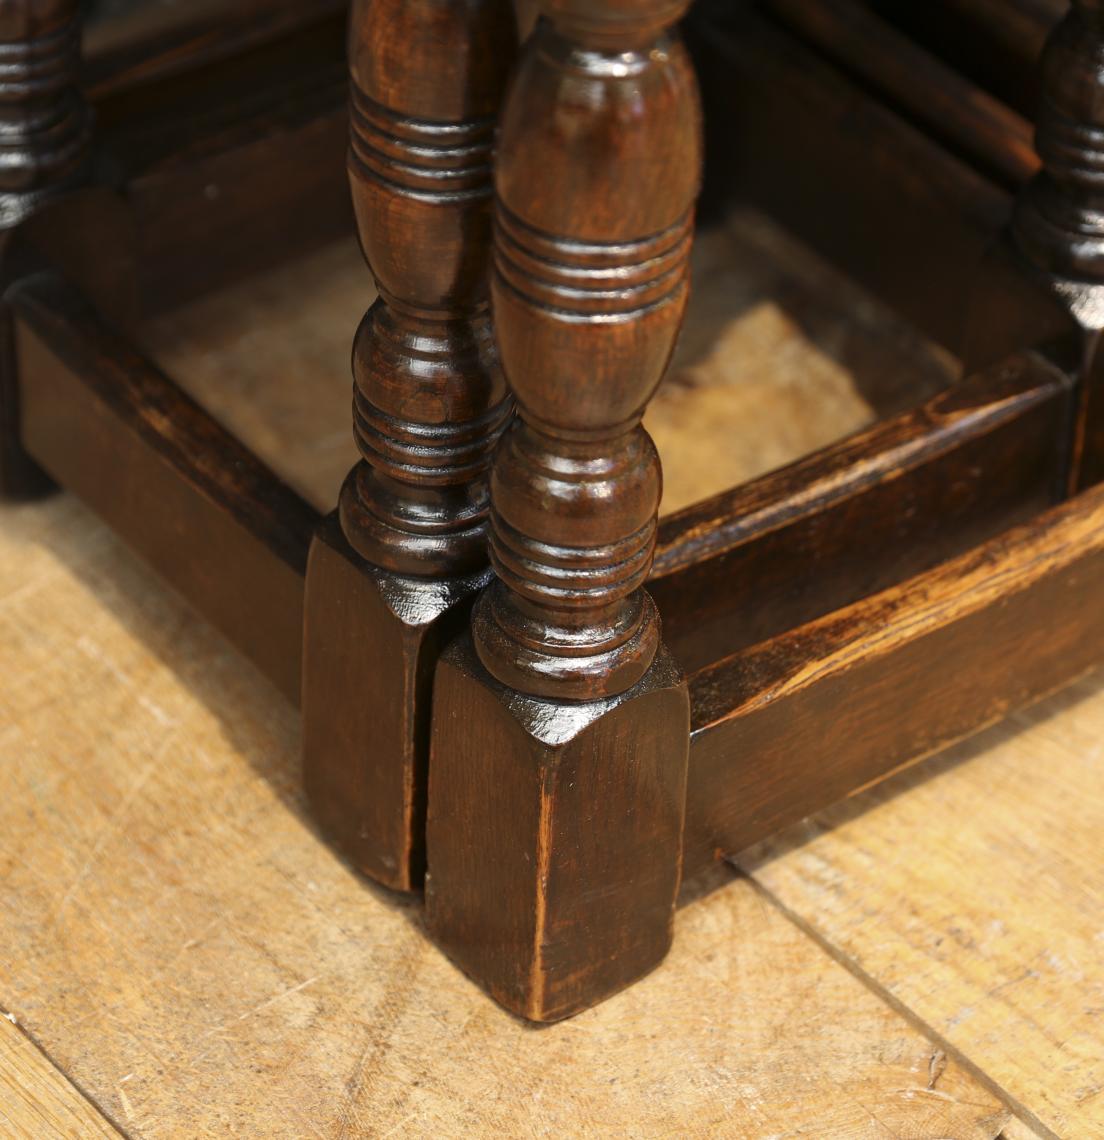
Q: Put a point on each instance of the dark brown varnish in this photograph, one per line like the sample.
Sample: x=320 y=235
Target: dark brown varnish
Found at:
x=809 y=717
x=863 y=514
x=202 y=510
x=45 y=135
x=558 y=763
x=1059 y=220
x=388 y=585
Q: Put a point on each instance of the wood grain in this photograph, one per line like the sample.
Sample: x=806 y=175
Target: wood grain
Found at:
x=37 y=1102
x=970 y=890
x=105 y=423
x=206 y=946
x=771 y=330
x=844 y=700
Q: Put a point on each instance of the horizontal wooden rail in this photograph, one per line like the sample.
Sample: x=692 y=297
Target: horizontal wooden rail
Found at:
x=206 y=514
x=855 y=518
x=872 y=510
x=995 y=42
x=155 y=41
x=790 y=726
x=234 y=167
x=922 y=88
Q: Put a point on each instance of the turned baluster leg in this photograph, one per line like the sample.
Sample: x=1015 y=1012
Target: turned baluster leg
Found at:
x=392 y=576
x=560 y=734
x=1057 y=236
x=45 y=135
x=1059 y=221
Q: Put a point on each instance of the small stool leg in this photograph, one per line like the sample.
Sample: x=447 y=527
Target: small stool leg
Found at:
x=1059 y=220
x=393 y=574
x=561 y=724
x=45 y=137
x=1044 y=282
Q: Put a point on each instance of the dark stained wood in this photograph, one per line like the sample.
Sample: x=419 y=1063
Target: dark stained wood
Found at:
x=592 y=244
x=371 y=643
x=554 y=831
x=45 y=127
x=154 y=41
x=430 y=399
x=557 y=765
x=199 y=507
x=234 y=167
x=863 y=514
x=994 y=42
x=888 y=204
x=388 y=586
x=967 y=120
x=789 y=726
x=45 y=135
x=1059 y=223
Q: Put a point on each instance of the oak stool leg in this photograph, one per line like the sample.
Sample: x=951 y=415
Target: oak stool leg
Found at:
x=561 y=724
x=45 y=141
x=391 y=576
x=1057 y=233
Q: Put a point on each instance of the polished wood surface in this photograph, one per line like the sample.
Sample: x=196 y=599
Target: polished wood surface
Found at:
x=45 y=135
x=389 y=586
x=840 y=702
x=431 y=401
x=1058 y=224
x=592 y=247
x=554 y=816
x=554 y=832
x=103 y=421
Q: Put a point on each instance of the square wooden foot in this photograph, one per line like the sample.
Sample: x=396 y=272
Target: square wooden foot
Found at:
x=371 y=644
x=555 y=834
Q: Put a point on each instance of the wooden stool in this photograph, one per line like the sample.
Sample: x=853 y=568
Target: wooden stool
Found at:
x=522 y=690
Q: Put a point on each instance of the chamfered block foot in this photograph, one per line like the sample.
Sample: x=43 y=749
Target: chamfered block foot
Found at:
x=555 y=834
x=370 y=648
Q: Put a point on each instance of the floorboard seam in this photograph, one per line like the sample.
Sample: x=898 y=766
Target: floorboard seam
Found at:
x=1025 y=1115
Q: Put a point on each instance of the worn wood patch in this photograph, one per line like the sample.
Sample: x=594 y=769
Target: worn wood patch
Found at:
x=780 y=355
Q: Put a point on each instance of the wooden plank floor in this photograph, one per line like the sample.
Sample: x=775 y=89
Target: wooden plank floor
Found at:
x=990 y=929
x=925 y=962
x=193 y=957
x=36 y=1099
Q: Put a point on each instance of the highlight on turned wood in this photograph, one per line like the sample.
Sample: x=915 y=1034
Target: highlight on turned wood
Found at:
x=391 y=582
x=45 y=126
x=45 y=137
x=1059 y=220
x=592 y=246
x=559 y=756
x=431 y=402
